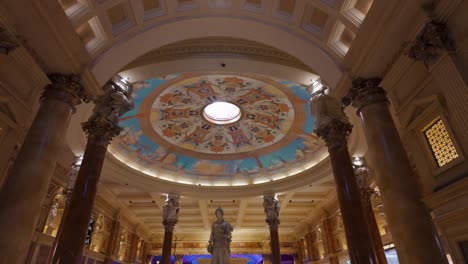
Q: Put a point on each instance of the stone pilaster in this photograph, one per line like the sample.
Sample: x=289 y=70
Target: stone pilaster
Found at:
x=25 y=188
x=101 y=127
x=435 y=48
x=431 y=43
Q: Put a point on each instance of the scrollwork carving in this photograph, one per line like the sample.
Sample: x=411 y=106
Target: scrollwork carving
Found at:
x=364 y=92
x=431 y=43
x=335 y=133
x=66 y=88
x=362 y=178
x=102 y=126
x=171 y=211
x=271 y=207
x=331 y=122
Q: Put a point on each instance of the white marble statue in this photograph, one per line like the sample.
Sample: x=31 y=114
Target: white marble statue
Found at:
x=220 y=238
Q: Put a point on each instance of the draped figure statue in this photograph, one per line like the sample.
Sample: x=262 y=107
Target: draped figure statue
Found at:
x=220 y=238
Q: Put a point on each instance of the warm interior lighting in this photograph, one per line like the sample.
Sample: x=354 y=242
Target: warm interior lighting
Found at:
x=441 y=144
x=222 y=113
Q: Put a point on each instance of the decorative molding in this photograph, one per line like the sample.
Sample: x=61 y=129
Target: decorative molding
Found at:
x=271 y=207
x=65 y=88
x=431 y=43
x=364 y=92
x=335 y=133
x=102 y=126
x=217 y=47
x=331 y=122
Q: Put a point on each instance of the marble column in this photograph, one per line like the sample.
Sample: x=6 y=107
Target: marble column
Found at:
x=271 y=207
x=112 y=246
x=134 y=248
x=333 y=127
x=327 y=236
x=101 y=127
x=409 y=220
x=362 y=175
x=25 y=188
x=170 y=218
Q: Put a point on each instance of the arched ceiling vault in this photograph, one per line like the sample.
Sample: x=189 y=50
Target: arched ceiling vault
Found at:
x=220 y=48
x=303 y=39
x=318 y=32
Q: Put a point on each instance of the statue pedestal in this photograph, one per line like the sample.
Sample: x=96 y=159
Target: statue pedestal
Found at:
x=233 y=260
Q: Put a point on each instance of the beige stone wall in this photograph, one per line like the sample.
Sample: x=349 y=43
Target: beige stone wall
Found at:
x=419 y=95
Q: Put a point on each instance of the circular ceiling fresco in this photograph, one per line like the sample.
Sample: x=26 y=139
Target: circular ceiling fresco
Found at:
x=218 y=128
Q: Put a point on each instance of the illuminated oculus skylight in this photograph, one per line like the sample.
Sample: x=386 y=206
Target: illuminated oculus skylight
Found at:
x=222 y=113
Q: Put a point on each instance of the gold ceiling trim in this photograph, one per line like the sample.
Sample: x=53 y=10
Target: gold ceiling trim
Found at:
x=219 y=47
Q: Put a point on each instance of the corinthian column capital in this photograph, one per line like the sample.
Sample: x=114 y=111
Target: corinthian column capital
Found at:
x=271 y=207
x=365 y=92
x=65 y=88
x=431 y=43
x=102 y=126
x=171 y=211
x=331 y=122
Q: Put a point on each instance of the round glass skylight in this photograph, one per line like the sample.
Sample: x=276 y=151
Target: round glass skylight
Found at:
x=222 y=113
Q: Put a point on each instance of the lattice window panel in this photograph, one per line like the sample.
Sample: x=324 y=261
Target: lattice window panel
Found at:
x=441 y=144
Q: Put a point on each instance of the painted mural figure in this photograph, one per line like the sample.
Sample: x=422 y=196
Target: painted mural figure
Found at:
x=220 y=239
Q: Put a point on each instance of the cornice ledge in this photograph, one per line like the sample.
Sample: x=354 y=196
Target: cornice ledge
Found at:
x=447 y=194
x=122 y=172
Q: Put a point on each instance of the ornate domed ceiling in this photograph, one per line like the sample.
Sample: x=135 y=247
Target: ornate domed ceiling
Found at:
x=167 y=135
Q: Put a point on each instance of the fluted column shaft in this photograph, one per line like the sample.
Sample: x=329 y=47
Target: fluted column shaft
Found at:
x=333 y=127
x=409 y=221
x=25 y=188
x=101 y=128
